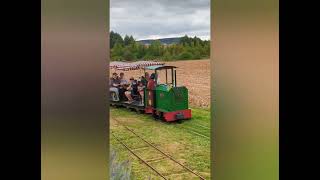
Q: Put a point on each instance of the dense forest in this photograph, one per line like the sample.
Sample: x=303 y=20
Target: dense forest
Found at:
x=128 y=49
x=174 y=40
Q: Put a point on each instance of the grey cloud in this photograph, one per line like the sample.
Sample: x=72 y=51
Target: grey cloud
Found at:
x=167 y=3
x=162 y=18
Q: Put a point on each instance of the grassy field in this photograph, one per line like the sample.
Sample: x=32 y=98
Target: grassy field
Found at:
x=188 y=142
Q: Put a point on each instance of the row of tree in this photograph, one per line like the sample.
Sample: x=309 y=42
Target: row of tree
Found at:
x=129 y=49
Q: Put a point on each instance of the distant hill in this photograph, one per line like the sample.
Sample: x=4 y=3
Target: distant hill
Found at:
x=174 y=40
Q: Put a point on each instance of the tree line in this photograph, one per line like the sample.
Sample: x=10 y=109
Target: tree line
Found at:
x=129 y=49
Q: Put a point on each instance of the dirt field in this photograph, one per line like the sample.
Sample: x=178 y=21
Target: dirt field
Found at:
x=194 y=74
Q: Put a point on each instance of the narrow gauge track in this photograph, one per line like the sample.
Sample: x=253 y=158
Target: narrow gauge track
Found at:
x=165 y=154
x=131 y=151
x=202 y=126
x=190 y=130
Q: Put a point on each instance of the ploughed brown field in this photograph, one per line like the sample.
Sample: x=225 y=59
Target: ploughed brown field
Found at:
x=194 y=74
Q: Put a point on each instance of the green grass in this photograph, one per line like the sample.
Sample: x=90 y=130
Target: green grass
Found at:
x=186 y=142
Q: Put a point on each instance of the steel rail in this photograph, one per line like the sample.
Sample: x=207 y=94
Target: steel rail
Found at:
x=138 y=156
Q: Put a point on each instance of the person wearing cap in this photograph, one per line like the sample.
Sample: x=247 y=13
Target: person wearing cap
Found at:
x=115 y=83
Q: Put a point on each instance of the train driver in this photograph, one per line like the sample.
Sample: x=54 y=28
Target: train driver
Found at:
x=151 y=82
x=150 y=87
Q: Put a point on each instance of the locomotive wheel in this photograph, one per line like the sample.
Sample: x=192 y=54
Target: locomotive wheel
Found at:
x=133 y=109
x=155 y=116
x=138 y=111
x=161 y=116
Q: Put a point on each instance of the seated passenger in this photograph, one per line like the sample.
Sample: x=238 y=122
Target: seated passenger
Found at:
x=145 y=79
x=122 y=79
x=122 y=87
x=130 y=90
x=114 y=85
x=147 y=76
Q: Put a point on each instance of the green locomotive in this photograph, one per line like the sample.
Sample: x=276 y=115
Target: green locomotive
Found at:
x=170 y=101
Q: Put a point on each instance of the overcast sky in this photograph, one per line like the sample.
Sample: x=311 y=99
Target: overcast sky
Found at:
x=152 y=19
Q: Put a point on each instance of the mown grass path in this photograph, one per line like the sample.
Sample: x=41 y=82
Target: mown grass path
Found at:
x=187 y=142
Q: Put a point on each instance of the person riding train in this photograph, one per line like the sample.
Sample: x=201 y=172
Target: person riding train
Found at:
x=114 y=86
x=141 y=88
x=122 y=79
x=131 y=89
x=150 y=95
x=145 y=79
x=151 y=82
x=123 y=86
x=150 y=87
